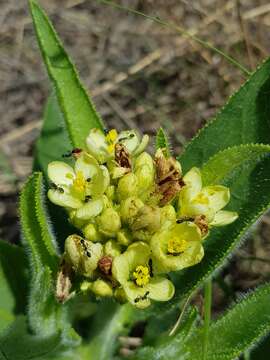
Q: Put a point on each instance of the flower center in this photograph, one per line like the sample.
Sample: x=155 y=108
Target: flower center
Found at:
x=110 y=138
x=141 y=275
x=177 y=246
x=202 y=199
x=79 y=183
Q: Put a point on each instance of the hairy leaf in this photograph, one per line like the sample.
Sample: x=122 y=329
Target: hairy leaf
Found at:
x=237 y=330
x=78 y=110
x=53 y=141
x=45 y=315
x=162 y=142
x=244 y=119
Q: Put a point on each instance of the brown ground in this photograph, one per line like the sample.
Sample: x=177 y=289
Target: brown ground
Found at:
x=141 y=75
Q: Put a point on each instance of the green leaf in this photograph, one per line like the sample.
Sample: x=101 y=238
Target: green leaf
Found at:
x=46 y=316
x=53 y=141
x=13 y=284
x=246 y=171
x=110 y=320
x=17 y=343
x=232 y=334
x=244 y=119
x=78 y=110
x=162 y=142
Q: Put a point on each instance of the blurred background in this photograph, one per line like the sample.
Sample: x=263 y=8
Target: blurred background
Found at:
x=141 y=75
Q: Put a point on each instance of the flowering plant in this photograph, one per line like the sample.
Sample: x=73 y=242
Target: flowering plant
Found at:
x=129 y=236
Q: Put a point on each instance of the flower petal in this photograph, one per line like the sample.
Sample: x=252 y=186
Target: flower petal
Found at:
x=137 y=296
x=90 y=209
x=87 y=165
x=218 y=196
x=60 y=173
x=129 y=139
x=64 y=199
x=160 y=288
x=97 y=145
x=100 y=182
x=193 y=181
x=137 y=254
x=224 y=217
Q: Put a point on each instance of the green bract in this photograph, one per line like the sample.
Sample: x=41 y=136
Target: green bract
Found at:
x=124 y=201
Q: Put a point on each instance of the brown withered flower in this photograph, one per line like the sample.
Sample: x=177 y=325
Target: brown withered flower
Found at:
x=122 y=157
x=63 y=282
x=169 y=179
x=200 y=221
x=105 y=265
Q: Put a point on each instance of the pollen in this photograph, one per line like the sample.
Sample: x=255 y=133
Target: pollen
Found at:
x=79 y=182
x=111 y=138
x=177 y=246
x=141 y=275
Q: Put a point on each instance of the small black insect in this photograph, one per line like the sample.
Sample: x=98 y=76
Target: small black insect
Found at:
x=88 y=254
x=72 y=152
x=126 y=138
x=88 y=179
x=106 y=131
x=150 y=264
x=58 y=188
x=179 y=221
x=140 y=298
x=87 y=198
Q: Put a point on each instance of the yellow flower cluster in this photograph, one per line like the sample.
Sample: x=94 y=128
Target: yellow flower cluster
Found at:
x=138 y=218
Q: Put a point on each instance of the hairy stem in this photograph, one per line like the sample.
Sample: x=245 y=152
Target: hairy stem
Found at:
x=207 y=315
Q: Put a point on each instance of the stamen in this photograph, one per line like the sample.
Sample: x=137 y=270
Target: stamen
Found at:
x=177 y=246
x=141 y=275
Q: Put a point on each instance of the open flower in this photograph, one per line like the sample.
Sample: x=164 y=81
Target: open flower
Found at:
x=177 y=248
x=102 y=146
x=195 y=200
x=79 y=189
x=133 y=270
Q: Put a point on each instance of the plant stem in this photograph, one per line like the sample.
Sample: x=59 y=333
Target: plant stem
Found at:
x=181 y=31
x=247 y=355
x=207 y=315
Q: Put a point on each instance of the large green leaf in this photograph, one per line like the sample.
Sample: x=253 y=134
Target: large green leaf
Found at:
x=13 y=284
x=78 y=110
x=236 y=331
x=53 y=141
x=46 y=316
x=16 y=343
x=246 y=170
x=244 y=119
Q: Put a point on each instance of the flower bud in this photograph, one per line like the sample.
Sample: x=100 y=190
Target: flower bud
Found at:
x=124 y=237
x=168 y=216
x=102 y=288
x=105 y=264
x=120 y=295
x=90 y=232
x=148 y=218
x=129 y=209
x=144 y=170
x=112 y=249
x=127 y=186
x=78 y=223
x=109 y=222
x=83 y=255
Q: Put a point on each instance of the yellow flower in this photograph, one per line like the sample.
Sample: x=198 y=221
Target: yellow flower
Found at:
x=133 y=270
x=79 y=190
x=102 y=146
x=177 y=247
x=196 y=200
